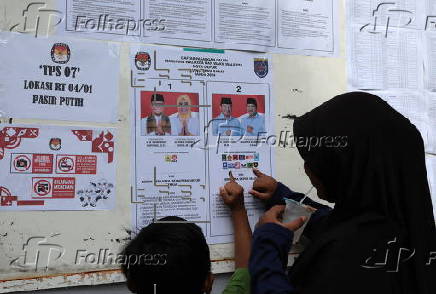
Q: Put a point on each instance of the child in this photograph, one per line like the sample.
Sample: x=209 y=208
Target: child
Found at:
x=168 y=258
x=171 y=256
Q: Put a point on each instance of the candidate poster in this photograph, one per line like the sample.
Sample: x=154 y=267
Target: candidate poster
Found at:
x=58 y=79
x=56 y=168
x=198 y=114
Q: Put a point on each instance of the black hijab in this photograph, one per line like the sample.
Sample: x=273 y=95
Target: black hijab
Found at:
x=371 y=160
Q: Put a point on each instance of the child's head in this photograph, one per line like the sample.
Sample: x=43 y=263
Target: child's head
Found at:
x=172 y=256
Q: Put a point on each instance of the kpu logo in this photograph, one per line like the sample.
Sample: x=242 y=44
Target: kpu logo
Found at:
x=60 y=53
x=142 y=61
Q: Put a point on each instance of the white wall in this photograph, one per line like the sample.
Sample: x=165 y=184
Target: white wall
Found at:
x=318 y=79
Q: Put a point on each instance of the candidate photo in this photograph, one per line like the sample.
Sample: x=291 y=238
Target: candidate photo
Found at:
x=238 y=115
x=169 y=114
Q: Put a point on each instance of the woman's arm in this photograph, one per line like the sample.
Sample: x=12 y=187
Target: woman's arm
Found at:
x=282 y=192
x=268 y=260
x=273 y=193
x=271 y=244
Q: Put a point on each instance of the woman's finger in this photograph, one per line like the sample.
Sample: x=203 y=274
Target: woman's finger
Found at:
x=277 y=210
x=232 y=178
x=257 y=172
x=223 y=192
x=258 y=194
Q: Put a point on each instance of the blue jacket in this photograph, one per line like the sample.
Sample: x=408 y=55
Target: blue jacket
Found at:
x=271 y=245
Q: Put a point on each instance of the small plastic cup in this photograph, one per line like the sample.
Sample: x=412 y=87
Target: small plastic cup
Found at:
x=293 y=211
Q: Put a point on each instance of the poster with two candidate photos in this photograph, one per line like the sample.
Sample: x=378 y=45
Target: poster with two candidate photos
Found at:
x=198 y=115
x=239 y=124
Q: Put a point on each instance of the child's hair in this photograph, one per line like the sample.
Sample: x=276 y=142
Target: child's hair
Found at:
x=173 y=257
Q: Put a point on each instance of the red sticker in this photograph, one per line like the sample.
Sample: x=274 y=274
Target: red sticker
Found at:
x=64 y=187
x=76 y=164
x=21 y=163
x=44 y=188
x=83 y=135
x=42 y=164
x=6 y=199
x=30 y=202
x=26 y=163
x=102 y=144
x=10 y=137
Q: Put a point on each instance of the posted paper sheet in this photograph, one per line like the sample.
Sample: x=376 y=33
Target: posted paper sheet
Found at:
x=431 y=115
x=56 y=168
x=198 y=114
x=414 y=106
x=391 y=53
x=431 y=175
x=280 y=26
x=58 y=78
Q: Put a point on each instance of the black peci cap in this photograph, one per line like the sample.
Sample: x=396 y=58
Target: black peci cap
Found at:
x=157 y=97
x=251 y=101
x=226 y=100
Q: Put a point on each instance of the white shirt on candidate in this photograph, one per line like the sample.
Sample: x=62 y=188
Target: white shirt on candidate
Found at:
x=176 y=125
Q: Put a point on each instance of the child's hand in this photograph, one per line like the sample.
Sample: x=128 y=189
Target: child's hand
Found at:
x=274 y=215
x=233 y=194
x=264 y=186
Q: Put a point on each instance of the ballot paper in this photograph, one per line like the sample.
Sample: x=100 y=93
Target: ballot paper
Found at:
x=58 y=78
x=280 y=26
x=57 y=168
x=198 y=114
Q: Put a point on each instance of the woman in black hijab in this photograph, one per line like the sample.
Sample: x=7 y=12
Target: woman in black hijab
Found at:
x=380 y=237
